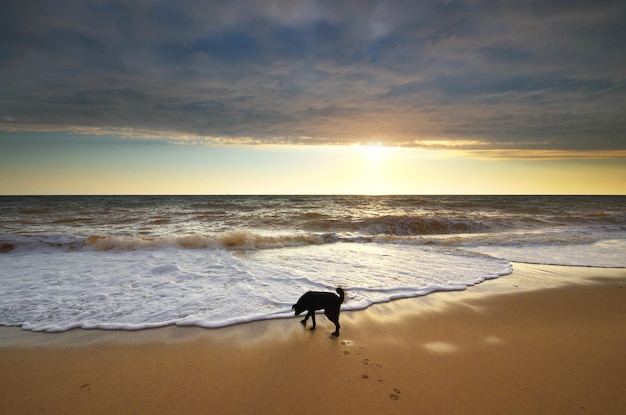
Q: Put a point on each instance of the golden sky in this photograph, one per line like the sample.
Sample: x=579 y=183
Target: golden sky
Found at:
x=41 y=164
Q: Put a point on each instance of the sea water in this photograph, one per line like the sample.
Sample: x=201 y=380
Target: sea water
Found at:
x=134 y=262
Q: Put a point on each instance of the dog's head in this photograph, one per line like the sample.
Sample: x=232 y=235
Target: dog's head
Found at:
x=298 y=308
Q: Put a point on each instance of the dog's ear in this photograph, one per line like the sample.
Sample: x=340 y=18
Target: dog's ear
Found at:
x=293 y=307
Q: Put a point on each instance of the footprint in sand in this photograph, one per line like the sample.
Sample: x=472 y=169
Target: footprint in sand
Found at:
x=365 y=361
x=346 y=343
x=395 y=395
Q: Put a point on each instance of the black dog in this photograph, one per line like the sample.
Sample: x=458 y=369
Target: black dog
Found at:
x=315 y=300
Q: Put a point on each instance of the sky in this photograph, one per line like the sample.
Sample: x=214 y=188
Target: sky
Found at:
x=312 y=97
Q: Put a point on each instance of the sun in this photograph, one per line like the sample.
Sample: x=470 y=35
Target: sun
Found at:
x=373 y=152
x=372 y=169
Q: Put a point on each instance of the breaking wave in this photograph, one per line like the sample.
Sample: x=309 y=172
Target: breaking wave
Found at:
x=233 y=240
x=395 y=225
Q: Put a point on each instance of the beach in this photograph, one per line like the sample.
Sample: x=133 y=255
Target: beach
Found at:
x=522 y=344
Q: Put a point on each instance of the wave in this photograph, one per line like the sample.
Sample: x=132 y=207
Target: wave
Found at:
x=407 y=225
x=246 y=240
x=490 y=239
x=9 y=243
x=238 y=239
x=399 y=230
x=397 y=225
x=235 y=240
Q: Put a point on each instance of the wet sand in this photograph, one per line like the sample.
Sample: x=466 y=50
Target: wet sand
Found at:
x=516 y=345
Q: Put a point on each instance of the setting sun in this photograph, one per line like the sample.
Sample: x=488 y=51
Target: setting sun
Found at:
x=373 y=152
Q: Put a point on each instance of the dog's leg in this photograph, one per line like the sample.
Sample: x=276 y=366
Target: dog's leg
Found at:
x=308 y=314
x=312 y=312
x=336 y=333
x=334 y=317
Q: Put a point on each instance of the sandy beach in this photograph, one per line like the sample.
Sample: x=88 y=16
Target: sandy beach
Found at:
x=515 y=345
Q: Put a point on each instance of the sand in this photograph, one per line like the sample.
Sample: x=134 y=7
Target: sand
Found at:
x=516 y=345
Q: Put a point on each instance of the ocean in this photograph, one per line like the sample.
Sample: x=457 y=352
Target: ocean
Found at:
x=136 y=262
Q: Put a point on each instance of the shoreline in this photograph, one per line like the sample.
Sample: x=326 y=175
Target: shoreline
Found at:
x=525 y=277
x=520 y=343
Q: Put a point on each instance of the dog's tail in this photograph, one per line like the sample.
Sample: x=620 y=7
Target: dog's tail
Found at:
x=341 y=294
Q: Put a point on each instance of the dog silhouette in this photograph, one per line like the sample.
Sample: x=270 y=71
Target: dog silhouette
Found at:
x=317 y=300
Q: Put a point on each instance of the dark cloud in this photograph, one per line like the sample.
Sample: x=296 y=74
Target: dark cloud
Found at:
x=504 y=74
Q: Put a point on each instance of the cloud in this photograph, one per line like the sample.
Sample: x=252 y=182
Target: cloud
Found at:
x=509 y=75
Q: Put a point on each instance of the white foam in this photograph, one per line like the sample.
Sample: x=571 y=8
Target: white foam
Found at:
x=132 y=290
x=607 y=254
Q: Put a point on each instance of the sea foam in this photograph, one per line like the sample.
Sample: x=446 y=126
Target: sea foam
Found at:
x=213 y=288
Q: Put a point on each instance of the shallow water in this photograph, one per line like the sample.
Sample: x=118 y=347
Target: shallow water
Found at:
x=133 y=262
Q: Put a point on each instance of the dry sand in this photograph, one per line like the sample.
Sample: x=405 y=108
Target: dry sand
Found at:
x=515 y=345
